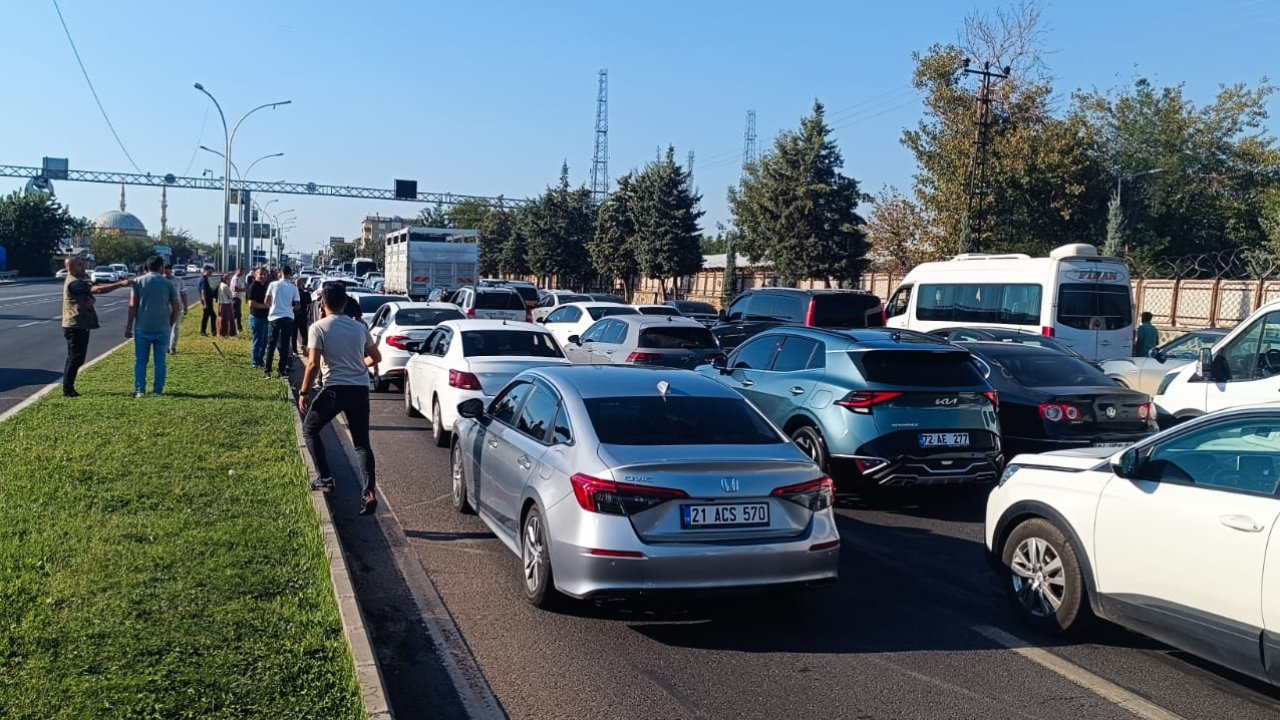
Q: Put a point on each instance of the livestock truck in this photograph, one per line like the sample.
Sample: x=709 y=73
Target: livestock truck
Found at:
x=421 y=259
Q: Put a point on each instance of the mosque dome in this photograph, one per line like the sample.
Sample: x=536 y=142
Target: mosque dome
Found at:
x=126 y=223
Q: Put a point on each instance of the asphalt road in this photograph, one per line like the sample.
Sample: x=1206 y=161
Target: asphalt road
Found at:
x=32 y=349
x=916 y=627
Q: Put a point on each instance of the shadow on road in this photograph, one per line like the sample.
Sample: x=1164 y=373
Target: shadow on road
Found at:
x=13 y=378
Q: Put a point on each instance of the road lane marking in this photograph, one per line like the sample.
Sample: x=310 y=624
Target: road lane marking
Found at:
x=27 y=297
x=36 y=322
x=1130 y=701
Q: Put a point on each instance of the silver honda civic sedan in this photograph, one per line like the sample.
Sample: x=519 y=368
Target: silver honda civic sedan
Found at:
x=611 y=480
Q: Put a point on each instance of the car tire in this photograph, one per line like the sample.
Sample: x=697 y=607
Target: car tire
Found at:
x=459 y=493
x=1047 y=587
x=535 y=562
x=810 y=441
x=439 y=435
x=380 y=385
x=409 y=409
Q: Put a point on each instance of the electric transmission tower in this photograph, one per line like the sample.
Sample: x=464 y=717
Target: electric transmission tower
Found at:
x=690 y=167
x=749 y=141
x=978 y=190
x=600 y=163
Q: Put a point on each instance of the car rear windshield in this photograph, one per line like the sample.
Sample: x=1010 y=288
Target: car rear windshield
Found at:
x=1089 y=306
x=919 y=368
x=499 y=300
x=572 y=298
x=1049 y=370
x=369 y=303
x=659 y=310
x=598 y=312
x=700 y=308
x=846 y=310
x=677 y=338
x=528 y=293
x=678 y=420
x=501 y=343
x=605 y=297
x=426 y=316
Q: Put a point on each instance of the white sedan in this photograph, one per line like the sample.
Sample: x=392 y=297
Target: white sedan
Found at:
x=103 y=274
x=573 y=319
x=464 y=359
x=395 y=327
x=551 y=299
x=1172 y=537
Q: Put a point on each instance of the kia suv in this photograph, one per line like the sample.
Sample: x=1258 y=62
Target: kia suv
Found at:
x=875 y=406
x=758 y=310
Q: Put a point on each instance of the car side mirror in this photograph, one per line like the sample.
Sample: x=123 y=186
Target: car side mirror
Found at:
x=472 y=408
x=575 y=340
x=721 y=363
x=1156 y=355
x=542 y=320
x=1126 y=465
x=1204 y=363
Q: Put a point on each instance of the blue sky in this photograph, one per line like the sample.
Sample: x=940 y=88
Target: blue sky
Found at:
x=489 y=98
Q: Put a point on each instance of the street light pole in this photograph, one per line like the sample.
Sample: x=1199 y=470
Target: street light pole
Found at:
x=226 y=178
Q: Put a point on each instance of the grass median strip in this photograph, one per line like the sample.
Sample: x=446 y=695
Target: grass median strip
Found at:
x=160 y=557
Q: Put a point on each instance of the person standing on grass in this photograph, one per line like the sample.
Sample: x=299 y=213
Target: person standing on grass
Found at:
x=237 y=294
x=155 y=307
x=300 y=318
x=181 y=286
x=209 y=318
x=283 y=300
x=339 y=350
x=1148 y=337
x=79 y=317
x=226 y=308
x=258 y=311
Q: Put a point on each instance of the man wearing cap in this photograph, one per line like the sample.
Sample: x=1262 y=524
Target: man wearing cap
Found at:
x=79 y=317
x=340 y=351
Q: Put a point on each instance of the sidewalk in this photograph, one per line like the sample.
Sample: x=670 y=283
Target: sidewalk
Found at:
x=161 y=557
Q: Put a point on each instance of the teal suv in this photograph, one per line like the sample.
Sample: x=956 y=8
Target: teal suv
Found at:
x=876 y=406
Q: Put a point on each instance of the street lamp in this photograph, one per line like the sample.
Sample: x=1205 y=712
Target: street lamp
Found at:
x=228 y=137
x=246 y=230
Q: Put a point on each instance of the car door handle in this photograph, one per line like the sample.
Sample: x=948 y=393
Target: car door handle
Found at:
x=608 y=352
x=491 y=442
x=748 y=383
x=1241 y=522
x=797 y=390
x=524 y=462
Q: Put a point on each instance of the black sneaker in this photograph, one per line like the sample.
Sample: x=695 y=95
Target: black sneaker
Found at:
x=70 y=393
x=370 y=504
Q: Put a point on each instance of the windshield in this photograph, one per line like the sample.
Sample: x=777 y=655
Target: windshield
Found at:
x=499 y=301
x=598 y=312
x=678 y=420
x=369 y=303
x=1039 y=369
x=515 y=343
x=677 y=338
x=426 y=316
x=698 y=308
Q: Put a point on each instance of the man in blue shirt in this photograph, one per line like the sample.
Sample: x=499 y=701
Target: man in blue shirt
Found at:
x=154 y=306
x=1148 y=337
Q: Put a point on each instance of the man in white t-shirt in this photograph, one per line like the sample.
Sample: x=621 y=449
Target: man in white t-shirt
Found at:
x=339 y=351
x=282 y=302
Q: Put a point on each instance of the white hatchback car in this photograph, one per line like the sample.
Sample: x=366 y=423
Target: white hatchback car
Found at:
x=1172 y=537
x=395 y=327
x=464 y=359
x=573 y=319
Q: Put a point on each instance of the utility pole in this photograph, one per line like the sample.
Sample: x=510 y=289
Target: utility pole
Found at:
x=690 y=167
x=976 y=207
x=600 y=161
x=749 y=142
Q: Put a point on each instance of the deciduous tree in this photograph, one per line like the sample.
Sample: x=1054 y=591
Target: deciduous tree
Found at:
x=31 y=226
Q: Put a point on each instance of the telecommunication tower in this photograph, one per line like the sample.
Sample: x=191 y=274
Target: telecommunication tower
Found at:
x=690 y=167
x=600 y=163
x=749 y=141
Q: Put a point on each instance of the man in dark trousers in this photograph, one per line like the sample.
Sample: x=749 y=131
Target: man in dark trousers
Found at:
x=79 y=317
x=258 y=311
x=340 y=351
x=209 y=320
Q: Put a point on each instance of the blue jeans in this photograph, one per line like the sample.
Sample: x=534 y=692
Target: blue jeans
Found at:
x=145 y=346
x=258 y=326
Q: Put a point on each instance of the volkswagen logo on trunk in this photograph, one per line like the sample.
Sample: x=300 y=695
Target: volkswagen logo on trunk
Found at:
x=729 y=484
x=1111 y=413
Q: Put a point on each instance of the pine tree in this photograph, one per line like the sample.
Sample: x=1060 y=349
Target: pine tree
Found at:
x=612 y=249
x=495 y=231
x=668 y=240
x=558 y=226
x=1114 y=244
x=797 y=210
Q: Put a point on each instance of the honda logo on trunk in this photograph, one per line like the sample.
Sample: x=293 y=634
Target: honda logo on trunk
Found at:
x=730 y=484
x=946 y=401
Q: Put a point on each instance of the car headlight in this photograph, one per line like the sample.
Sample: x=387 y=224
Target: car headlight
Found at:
x=1009 y=470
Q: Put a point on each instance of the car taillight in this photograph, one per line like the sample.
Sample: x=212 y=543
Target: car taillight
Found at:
x=861 y=401
x=1146 y=411
x=640 y=358
x=471 y=313
x=816 y=494
x=615 y=498
x=1059 y=412
x=993 y=396
x=1047 y=331
x=528 y=315
x=812 y=313
x=398 y=341
x=463 y=380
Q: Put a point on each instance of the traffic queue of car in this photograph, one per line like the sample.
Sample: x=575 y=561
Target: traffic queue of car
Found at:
x=621 y=449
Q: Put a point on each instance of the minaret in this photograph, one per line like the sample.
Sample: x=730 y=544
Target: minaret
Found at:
x=164 y=212
x=121 y=197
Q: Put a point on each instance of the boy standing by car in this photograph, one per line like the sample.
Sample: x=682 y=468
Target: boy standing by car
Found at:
x=1148 y=337
x=339 y=351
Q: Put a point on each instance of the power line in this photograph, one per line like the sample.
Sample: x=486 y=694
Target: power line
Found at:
x=199 y=138
x=96 y=99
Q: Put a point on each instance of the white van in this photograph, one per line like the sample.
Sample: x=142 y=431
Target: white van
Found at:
x=1075 y=295
x=1243 y=368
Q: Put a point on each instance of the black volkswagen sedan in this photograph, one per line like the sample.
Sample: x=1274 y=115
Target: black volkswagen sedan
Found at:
x=1053 y=401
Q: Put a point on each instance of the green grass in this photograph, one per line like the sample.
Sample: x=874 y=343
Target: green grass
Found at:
x=160 y=557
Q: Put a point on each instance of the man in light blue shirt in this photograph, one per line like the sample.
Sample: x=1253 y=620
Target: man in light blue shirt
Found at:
x=154 y=306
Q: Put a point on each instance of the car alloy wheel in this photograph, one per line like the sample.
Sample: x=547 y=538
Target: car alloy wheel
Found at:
x=1038 y=578
x=409 y=408
x=459 y=481
x=535 y=562
x=809 y=440
x=438 y=434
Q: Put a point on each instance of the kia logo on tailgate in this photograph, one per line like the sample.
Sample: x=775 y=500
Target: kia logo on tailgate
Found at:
x=946 y=401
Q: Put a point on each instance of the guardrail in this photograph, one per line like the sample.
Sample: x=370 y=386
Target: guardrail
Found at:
x=9 y=276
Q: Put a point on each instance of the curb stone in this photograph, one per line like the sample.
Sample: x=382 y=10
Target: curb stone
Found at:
x=373 y=688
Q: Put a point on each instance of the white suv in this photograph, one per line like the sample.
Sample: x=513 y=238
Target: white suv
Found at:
x=1171 y=537
x=1242 y=368
x=490 y=303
